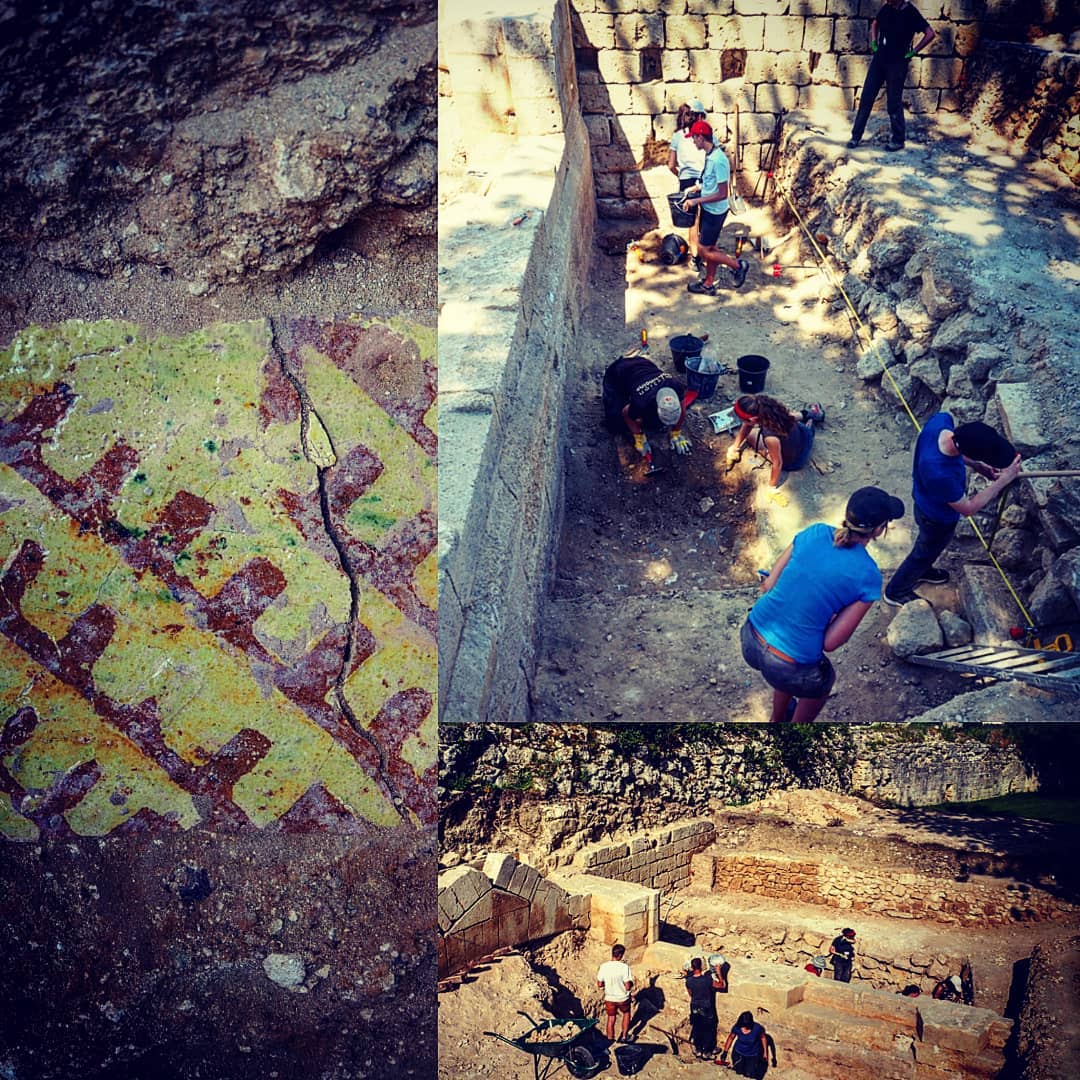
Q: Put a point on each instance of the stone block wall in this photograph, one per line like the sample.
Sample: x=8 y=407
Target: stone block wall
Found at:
x=619 y=912
x=504 y=905
x=500 y=481
x=639 y=60
x=659 y=859
x=880 y=891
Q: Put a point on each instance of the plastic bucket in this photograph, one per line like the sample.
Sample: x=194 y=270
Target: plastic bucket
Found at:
x=680 y=218
x=752 y=370
x=705 y=385
x=630 y=1059
x=683 y=347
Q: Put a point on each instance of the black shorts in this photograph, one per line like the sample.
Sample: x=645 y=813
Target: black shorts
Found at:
x=709 y=227
x=689 y=182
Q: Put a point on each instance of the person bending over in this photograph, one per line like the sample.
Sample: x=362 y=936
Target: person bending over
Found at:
x=774 y=433
x=639 y=398
x=815 y=596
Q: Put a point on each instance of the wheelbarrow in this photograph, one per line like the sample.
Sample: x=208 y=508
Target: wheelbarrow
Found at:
x=546 y=1056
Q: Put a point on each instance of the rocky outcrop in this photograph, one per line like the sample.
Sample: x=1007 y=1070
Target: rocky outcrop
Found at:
x=209 y=142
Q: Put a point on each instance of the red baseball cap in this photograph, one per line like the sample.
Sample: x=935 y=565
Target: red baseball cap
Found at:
x=699 y=127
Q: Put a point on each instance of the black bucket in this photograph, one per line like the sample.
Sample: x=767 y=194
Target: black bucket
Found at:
x=752 y=370
x=630 y=1059
x=704 y=384
x=680 y=218
x=673 y=250
x=683 y=347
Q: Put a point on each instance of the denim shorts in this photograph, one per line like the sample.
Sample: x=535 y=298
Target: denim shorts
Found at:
x=812 y=680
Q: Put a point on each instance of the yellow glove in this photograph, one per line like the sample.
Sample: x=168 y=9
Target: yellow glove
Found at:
x=641 y=445
x=734 y=453
x=778 y=497
x=680 y=443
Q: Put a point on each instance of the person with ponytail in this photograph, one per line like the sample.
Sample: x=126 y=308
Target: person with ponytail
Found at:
x=775 y=433
x=815 y=596
x=686 y=161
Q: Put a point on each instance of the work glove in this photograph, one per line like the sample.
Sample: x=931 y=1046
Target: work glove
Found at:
x=909 y=54
x=778 y=497
x=641 y=445
x=873 y=46
x=680 y=443
x=733 y=454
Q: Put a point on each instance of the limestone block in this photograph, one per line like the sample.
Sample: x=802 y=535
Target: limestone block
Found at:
x=922 y=101
x=631 y=131
x=704 y=66
x=619 y=66
x=876 y=356
x=648 y=99
x=762 y=7
x=610 y=99
x=789 y=68
x=928 y=372
x=599 y=129
x=615 y=159
x=962 y=10
x=824 y=99
x=480 y=911
x=966 y=38
x=1013 y=547
x=639 y=31
x=593 y=29
x=622 y=6
x=509 y=920
x=772 y=97
x=959 y=330
x=954 y=1027
x=784 y=33
x=851 y=36
x=684 y=32
x=524 y=881
x=848 y=8
x=938 y=72
x=450 y=908
x=1021 y=414
x=817 y=35
x=608 y=185
x=532 y=77
x=499 y=869
x=466 y=883
x=741 y=33
x=461 y=37
x=675 y=64
x=480 y=75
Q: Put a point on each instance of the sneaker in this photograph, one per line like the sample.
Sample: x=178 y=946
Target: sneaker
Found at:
x=814 y=414
x=900 y=599
x=852 y=143
x=699 y=263
x=739 y=276
x=934 y=576
x=894 y=146
x=701 y=287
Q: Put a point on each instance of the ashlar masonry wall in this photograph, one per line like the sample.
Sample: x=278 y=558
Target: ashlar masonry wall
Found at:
x=639 y=60
x=884 y=891
x=659 y=859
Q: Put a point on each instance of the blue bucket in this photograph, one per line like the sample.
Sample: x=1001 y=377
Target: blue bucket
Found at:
x=704 y=384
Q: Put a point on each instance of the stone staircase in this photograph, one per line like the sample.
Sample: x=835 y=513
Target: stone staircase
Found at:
x=834 y=1029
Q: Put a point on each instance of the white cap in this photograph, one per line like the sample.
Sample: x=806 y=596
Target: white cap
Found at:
x=955 y=980
x=696 y=106
x=668 y=407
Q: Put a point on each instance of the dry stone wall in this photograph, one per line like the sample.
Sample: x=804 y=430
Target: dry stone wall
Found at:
x=877 y=891
x=639 y=60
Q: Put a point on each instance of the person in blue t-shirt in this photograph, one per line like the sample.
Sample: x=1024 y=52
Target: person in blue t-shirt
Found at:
x=748 y=1046
x=815 y=596
x=943 y=452
x=712 y=197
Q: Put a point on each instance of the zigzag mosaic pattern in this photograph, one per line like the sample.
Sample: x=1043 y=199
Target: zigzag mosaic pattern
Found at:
x=217 y=577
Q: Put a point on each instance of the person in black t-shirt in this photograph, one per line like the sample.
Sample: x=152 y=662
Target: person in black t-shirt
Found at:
x=702 y=986
x=842 y=951
x=891 y=32
x=639 y=398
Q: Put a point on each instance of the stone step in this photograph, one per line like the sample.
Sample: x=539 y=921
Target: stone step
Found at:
x=832 y=1025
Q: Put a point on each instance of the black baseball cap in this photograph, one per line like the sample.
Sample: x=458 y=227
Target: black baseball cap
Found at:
x=981 y=442
x=870 y=507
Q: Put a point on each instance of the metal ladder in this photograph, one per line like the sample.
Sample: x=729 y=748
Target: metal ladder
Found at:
x=1044 y=667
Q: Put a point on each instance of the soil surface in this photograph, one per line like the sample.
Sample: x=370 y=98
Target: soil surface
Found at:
x=656 y=571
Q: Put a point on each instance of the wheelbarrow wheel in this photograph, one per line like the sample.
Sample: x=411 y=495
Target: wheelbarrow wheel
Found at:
x=580 y=1063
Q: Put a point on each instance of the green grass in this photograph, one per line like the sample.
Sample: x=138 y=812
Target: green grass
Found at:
x=1036 y=807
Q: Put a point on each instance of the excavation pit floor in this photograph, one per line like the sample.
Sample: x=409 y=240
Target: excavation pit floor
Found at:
x=655 y=572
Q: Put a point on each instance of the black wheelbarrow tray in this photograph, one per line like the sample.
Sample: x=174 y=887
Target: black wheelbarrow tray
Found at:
x=552 y=1053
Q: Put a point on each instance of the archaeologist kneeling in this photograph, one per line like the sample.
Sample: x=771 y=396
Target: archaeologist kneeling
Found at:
x=639 y=398
x=815 y=596
x=776 y=434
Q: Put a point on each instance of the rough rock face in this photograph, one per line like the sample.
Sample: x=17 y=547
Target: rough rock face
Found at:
x=210 y=141
x=1049 y=1034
